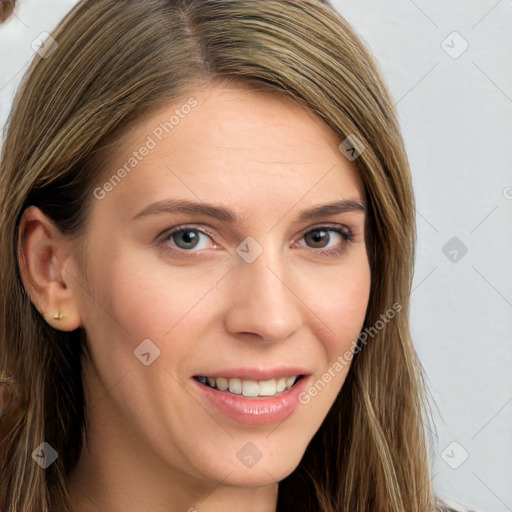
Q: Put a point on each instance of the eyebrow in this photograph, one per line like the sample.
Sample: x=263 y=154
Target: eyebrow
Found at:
x=229 y=216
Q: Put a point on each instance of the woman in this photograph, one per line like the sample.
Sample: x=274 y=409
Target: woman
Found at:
x=207 y=228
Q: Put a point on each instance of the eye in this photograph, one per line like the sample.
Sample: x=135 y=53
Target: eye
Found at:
x=186 y=238
x=332 y=240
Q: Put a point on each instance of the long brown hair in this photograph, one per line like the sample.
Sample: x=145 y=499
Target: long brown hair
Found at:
x=114 y=62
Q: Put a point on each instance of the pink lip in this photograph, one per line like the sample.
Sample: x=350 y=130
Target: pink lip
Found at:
x=257 y=410
x=258 y=373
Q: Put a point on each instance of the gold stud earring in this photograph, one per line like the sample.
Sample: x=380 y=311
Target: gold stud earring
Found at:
x=58 y=316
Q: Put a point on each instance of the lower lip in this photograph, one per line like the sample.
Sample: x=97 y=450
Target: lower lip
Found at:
x=255 y=411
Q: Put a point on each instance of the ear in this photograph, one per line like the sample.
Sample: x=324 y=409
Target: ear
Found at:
x=42 y=253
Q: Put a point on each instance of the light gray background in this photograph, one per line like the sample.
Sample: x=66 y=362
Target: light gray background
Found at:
x=456 y=116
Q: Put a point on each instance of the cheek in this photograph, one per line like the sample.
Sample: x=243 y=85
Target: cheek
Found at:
x=342 y=304
x=149 y=297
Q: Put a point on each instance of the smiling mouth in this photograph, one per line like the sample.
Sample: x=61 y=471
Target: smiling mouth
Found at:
x=250 y=388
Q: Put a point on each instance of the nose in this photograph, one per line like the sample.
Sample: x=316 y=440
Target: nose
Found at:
x=264 y=304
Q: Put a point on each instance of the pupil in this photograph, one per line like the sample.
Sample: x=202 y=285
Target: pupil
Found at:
x=317 y=236
x=188 y=237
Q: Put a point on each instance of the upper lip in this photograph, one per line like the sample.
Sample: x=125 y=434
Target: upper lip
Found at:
x=257 y=373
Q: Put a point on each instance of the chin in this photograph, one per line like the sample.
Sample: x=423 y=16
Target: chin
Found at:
x=267 y=470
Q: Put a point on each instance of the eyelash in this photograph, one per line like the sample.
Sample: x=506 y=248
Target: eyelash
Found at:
x=343 y=231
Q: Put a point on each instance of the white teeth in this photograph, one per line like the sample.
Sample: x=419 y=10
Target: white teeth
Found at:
x=281 y=385
x=251 y=388
x=290 y=381
x=267 y=387
x=222 y=383
x=235 y=386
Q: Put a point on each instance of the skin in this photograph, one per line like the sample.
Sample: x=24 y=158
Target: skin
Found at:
x=152 y=442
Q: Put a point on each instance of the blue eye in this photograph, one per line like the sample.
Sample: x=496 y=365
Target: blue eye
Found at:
x=183 y=239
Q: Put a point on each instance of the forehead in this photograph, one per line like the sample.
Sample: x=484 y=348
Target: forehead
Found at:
x=233 y=146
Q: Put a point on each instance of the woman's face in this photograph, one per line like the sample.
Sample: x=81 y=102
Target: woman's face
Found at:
x=254 y=290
